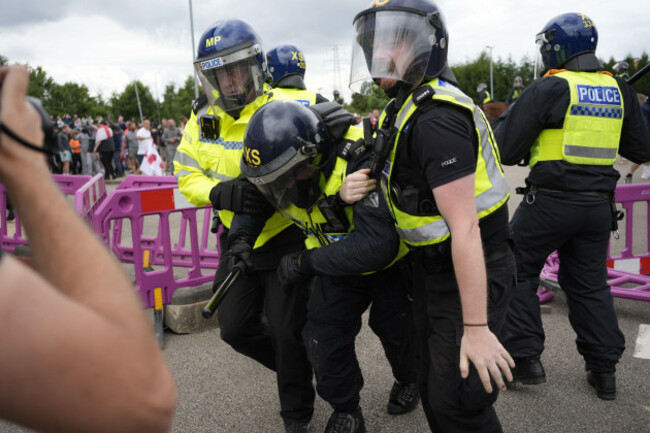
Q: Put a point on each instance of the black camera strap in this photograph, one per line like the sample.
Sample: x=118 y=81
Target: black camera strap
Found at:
x=13 y=135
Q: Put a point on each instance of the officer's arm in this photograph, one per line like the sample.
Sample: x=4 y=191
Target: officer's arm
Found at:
x=457 y=205
x=247 y=226
x=542 y=106
x=635 y=138
x=192 y=181
x=371 y=246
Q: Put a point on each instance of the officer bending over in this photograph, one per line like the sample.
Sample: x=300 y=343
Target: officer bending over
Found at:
x=569 y=126
x=447 y=194
x=232 y=69
x=353 y=251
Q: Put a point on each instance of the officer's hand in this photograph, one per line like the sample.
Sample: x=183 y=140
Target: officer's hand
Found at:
x=240 y=196
x=480 y=346
x=357 y=186
x=239 y=254
x=295 y=267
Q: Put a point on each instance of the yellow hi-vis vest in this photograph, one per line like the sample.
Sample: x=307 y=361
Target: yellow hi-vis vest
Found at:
x=312 y=222
x=490 y=190
x=592 y=125
x=305 y=97
x=201 y=162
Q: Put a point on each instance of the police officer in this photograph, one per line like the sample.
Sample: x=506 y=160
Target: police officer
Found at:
x=569 y=126
x=516 y=90
x=299 y=164
x=447 y=194
x=287 y=68
x=337 y=97
x=483 y=95
x=232 y=69
x=620 y=70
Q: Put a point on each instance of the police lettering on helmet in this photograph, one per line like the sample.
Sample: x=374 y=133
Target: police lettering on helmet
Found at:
x=231 y=65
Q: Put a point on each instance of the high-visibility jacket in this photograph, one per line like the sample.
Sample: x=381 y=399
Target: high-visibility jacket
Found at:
x=592 y=126
x=201 y=162
x=491 y=190
x=305 y=97
x=312 y=222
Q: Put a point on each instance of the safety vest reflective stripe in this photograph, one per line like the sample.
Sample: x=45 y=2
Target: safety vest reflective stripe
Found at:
x=592 y=125
x=590 y=152
x=491 y=189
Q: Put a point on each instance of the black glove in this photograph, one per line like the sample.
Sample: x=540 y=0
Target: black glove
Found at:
x=295 y=267
x=240 y=196
x=239 y=255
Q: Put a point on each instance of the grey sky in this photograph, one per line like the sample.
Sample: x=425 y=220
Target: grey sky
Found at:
x=106 y=44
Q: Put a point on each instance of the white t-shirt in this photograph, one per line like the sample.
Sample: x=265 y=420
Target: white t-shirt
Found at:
x=142 y=144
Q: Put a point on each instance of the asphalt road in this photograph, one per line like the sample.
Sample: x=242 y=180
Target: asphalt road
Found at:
x=224 y=392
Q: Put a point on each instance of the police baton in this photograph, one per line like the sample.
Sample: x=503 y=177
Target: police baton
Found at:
x=640 y=73
x=214 y=302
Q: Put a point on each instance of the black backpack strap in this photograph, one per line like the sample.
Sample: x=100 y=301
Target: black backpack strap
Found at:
x=336 y=119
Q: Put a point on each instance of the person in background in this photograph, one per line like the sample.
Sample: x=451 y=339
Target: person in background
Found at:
x=65 y=152
x=517 y=88
x=337 y=97
x=287 y=67
x=75 y=148
x=171 y=136
x=130 y=146
x=78 y=354
x=621 y=70
x=483 y=95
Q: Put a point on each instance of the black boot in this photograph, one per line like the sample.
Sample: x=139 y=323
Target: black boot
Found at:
x=403 y=398
x=604 y=383
x=341 y=422
x=528 y=371
x=292 y=426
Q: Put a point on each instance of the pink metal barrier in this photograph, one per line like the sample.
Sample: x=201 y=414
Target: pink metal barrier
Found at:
x=88 y=194
x=160 y=203
x=627 y=273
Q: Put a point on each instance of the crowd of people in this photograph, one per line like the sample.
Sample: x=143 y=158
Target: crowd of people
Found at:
x=91 y=146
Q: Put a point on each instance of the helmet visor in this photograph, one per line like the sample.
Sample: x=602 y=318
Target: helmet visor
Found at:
x=390 y=46
x=291 y=179
x=232 y=81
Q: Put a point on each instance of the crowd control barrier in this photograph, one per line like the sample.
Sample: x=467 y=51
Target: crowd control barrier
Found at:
x=161 y=203
x=628 y=273
x=88 y=192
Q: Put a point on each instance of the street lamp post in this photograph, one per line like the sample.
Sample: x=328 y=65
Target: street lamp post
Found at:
x=155 y=77
x=491 y=75
x=196 y=79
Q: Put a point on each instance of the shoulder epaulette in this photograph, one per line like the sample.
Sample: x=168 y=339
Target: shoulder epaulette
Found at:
x=199 y=103
x=351 y=150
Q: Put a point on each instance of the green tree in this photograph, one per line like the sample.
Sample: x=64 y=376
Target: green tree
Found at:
x=177 y=103
x=372 y=97
x=3 y=60
x=126 y=103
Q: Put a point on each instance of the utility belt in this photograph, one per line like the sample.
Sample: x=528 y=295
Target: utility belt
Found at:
x=437 y=258
x=530 y=193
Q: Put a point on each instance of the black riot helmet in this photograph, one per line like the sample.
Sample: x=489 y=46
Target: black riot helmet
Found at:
x=397 y=43
x=286 y=147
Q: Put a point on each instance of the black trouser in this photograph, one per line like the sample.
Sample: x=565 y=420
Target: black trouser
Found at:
x=107 y=162
x=278 y=344
x=334 y=320
x=453 y=404
x=578 y=227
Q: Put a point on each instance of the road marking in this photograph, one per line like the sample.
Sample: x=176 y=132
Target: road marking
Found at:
x=642 y=349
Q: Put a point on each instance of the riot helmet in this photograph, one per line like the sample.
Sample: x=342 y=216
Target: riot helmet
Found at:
x=231 y=65
x=285 y=61
x=517 y=82
x=566 y=37
x=620 y=67
x=481 y=87
x=398 y=44
x=286 y=147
